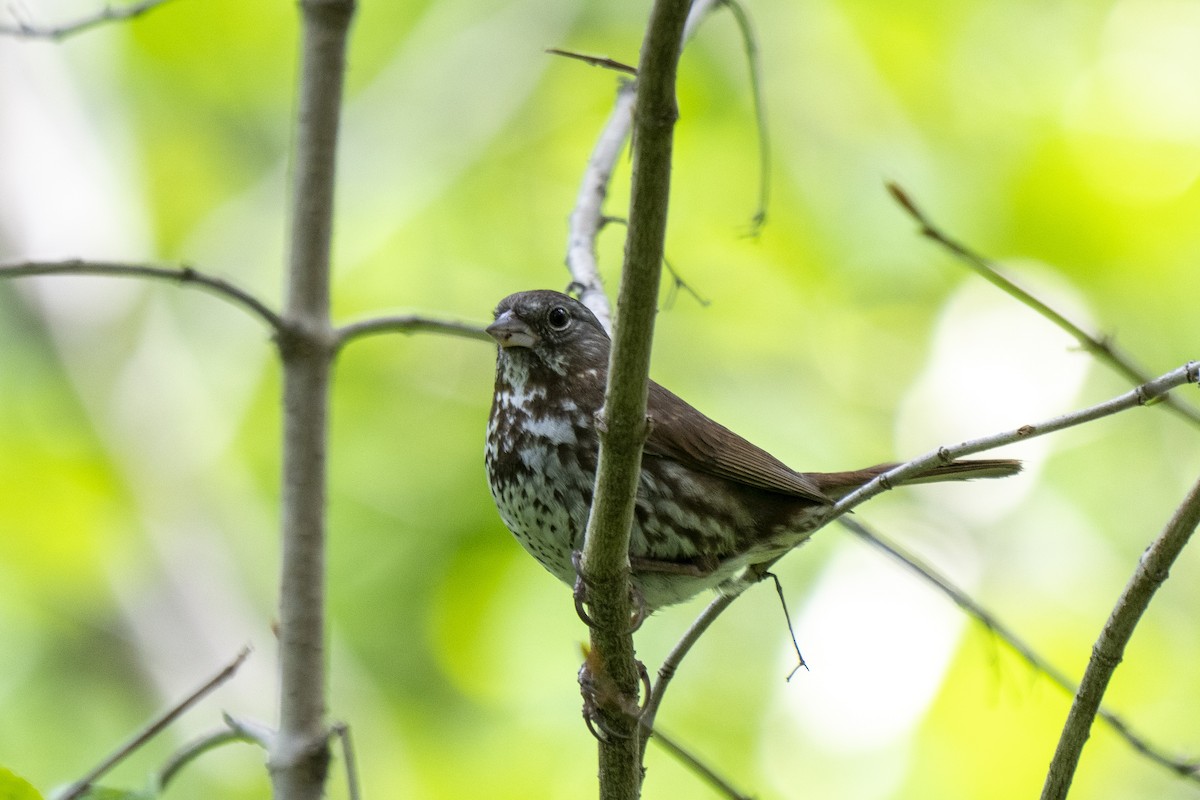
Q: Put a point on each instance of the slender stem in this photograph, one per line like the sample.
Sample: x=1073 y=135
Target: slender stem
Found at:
x=1019 y=646
x=587 y=217
x=407 y=323
x=194 y=750
x=1150 y=392
x=1107 y=652
x=184 y=276
x=694 y=763
x=147 y=733
x=1101 y=347
x=109 y=13
x=300 y=755
x=623 y=425
x=1146 y=393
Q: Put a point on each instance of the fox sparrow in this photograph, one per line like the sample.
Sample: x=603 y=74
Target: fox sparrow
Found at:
x=709 y=503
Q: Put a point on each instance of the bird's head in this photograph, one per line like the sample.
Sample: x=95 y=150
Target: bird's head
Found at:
x=550 y=330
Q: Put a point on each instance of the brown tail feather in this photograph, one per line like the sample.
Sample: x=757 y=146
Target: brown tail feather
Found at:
x=840 y=484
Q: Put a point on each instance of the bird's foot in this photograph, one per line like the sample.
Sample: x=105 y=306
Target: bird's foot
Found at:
x=604 y=703
x=580 y=595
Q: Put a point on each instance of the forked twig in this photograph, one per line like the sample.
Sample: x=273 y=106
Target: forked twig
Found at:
x=147 y=733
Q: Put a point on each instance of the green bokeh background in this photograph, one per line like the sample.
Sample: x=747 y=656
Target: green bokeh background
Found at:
x=139 y=423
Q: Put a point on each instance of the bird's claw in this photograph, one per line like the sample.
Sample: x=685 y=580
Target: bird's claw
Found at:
x=596 y=691
x=580 y=594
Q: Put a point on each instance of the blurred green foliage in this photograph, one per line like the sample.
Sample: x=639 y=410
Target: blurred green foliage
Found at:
x=139 y=424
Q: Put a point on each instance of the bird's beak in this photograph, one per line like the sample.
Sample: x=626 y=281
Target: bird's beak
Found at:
x=509 y=330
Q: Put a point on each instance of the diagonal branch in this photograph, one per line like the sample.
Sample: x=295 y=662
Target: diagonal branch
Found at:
x=1019 y=646
x=184 y=276
x=1152 y=391
x=1101 y=347
x=1152 y=570
x=1146 y=394
x=109 y=13
x=147 y=733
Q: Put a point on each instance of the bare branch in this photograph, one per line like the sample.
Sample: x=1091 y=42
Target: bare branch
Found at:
x=587 y=217
x=147 y=733
x=342 y=731
x=299 y=757
x=1147 y=393
x=183 y=275
x=750 y=44
x=622 y=424
x=1152 y=570
x=109 y=13
x=1019 y=646
x=194 y=750
x=595 y=61
x=408 y=324
x=695 y=764
x=1101 y=347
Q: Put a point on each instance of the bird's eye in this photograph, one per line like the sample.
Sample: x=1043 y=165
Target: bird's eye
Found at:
x=559 y=318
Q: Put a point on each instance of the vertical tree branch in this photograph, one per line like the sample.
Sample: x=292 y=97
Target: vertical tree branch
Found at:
x=1109 y=649
x=623 y=425
x=300 y=755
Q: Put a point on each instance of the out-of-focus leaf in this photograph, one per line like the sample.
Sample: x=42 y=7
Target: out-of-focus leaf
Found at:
x=13 y=787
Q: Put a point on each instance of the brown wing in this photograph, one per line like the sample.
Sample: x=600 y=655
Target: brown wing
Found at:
x=681 y=433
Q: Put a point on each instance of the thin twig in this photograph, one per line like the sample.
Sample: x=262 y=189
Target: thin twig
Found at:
x=194 y=750
x=59 y=32
x=1152 y=570
x=670 y=665
x=406 y=323
x=731 y=590
x=153 y=729
x=184 y=276
x=1101 y=347
x=1007 y=635
x=750 y=44
x=587 y=217
x=695 y=764
x=596 y=61
x=1147 y=393
x=342 y=731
